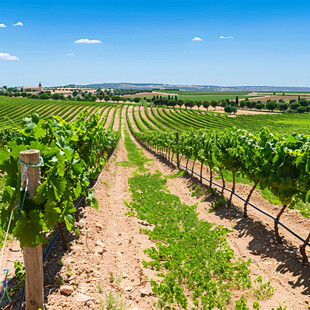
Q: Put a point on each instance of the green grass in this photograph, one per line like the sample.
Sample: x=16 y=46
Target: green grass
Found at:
x=191 y=256
x=136 y=157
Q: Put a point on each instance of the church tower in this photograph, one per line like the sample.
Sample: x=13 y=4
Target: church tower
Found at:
x=40 y=87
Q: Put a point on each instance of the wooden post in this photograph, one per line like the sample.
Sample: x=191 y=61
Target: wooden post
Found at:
x=33 y=257
x=177 y=143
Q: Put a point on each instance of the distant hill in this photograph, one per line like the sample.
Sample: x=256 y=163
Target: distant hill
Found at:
x=195 y=87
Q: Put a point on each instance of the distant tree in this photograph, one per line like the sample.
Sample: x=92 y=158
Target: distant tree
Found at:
x=137 y=99
x=55 y=96
x=74 y=93
x=271 y=106
x=206 y=104
x=100 y=97
x=106 y=98
x=242 y=104
x=303 y=102
x=295 y=105
x=234 y=110
x=180 y=103
x=44 y=96
x=78 y=98
x=301 y=109
x=191 y=104
x=198 y=104
x=176 y=98
x=93 y=97
x=283 y=106
x=228 y=109
x=69 y=97
x=237 y=100
x=292 y=100
x=214 y=104
x=34 y=97
x=259 y=106
x=281 y=101
x=298 y=98
x=5 y=87
x=250 y=104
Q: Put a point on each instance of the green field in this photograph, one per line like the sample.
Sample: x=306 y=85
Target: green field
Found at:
x=211 y=93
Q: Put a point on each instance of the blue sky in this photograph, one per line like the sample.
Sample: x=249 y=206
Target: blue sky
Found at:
x=268 y=42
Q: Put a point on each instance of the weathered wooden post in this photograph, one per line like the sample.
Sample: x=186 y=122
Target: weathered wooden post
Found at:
x=177 y=143
x=33 y=257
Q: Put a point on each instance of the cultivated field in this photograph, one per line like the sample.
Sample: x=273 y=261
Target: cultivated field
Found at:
x=163 y=236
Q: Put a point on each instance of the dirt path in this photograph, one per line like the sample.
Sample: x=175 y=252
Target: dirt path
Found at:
x=118 y=270
x=97 y=109
x=131 y=120
x=109 y=117
x=116 y=121
x=104 y=113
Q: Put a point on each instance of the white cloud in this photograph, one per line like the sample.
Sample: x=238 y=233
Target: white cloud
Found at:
x=70 y=54
x=18 y=24
x=87 y=41
x=196 y=39
x=7 y=56
x=2 y=26
x=228 y=37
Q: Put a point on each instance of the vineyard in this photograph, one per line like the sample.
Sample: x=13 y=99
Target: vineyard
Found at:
x=192 y=209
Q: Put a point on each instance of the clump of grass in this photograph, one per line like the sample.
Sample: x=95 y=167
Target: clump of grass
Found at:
x=180 y=173
x=197 y=191
x=135 y=155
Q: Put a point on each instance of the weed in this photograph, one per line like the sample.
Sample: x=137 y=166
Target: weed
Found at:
x=262 y=290
x=218 y=203
x=60 y=281
x=112 y=278
x=180 y=173
x=20 y=273
x=113 y=303
x=100 y=289
x=77 y=232
x=241 y=304
x=69 y=271
x=280 y=307
x=105 y=182
x=60 y=263
x=197 y=191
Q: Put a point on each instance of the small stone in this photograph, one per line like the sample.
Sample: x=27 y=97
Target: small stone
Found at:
x=66 y=289
x=81 y=298
x=99 y=249
x=125 y=275
x=99 y=226
x=128 y=289
x=100 y=243
x=145 y=292
x=90 y=304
